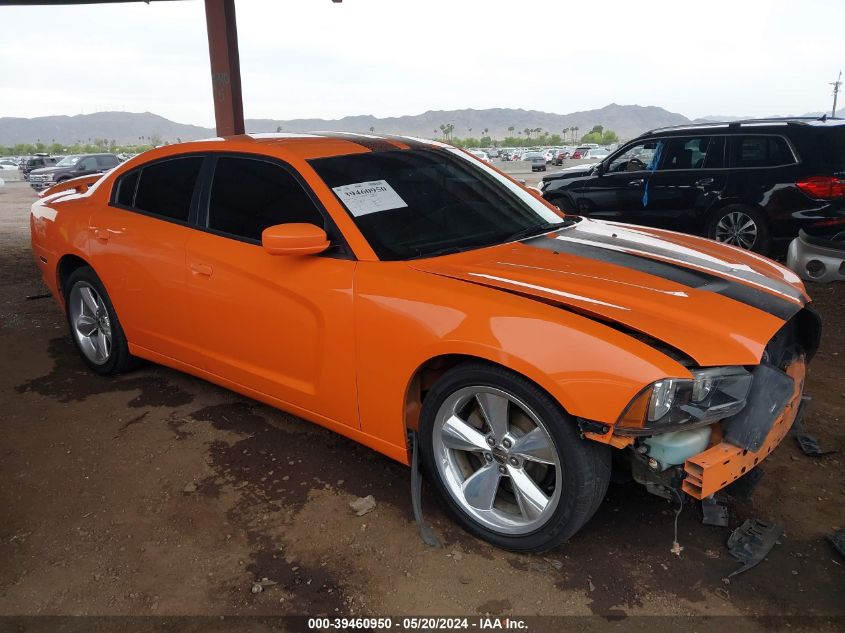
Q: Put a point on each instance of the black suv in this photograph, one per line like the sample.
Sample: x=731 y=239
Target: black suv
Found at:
x=753 y=183
x=71 y=167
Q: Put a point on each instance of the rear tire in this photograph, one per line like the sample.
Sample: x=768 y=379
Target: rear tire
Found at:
x=507 y=462
x=94 y=326
x=742 y=226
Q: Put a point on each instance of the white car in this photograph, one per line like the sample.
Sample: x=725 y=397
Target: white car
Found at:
x=550 y=154
x=596 y=154
x=7 y=164
x=480 y=155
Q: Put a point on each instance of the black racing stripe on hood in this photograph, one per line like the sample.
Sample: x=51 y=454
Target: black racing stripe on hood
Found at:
x=372 y=144
x=759 y=299
x=622 y=241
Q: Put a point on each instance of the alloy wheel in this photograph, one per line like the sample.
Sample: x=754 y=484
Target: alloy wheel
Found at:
x=737 y=228
x=497 y=459
x=90 y=322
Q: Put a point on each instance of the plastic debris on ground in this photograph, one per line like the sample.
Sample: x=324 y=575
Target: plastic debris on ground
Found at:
x=751 y=542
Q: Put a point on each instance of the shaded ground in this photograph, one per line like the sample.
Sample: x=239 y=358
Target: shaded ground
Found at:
x=159 y=493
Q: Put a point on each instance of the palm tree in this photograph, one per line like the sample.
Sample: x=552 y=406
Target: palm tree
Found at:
x=527 y=132
x=372 y=129
x=486 y=131
x=510 y=129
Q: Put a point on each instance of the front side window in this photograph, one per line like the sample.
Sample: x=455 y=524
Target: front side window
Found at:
x=88 y=163
x=637 y=157
x=165 y=188
x=694 y=152
x=68 y=161
x=417 y=203
x=761 y=151
x=249 y=195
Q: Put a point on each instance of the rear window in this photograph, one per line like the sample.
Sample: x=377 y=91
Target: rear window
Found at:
x=107 y=161
x=832 y=143
x=761 y=151
x=166 y=188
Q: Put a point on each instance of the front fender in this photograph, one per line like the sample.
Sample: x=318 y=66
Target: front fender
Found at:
x=403 y=319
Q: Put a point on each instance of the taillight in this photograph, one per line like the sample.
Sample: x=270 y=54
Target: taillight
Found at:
x=823 y=187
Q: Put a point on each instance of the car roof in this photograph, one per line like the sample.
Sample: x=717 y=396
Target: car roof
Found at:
x=732 y=126
x=305 y=144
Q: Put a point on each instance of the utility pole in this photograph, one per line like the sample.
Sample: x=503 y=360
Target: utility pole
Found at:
x=836 y=85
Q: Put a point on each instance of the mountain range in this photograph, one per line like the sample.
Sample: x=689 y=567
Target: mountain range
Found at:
x=627 y=121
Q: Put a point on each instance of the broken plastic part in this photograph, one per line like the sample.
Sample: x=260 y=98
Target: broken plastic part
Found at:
x=751 y=542
x=416 y=495
x=714 y=511
x=770 y=391
x=837 y=539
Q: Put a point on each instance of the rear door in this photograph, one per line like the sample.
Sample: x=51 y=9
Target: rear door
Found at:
x=138 y=250
x=690 y=177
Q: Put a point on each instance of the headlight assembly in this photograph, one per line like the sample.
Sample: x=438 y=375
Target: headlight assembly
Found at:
x=673 y=403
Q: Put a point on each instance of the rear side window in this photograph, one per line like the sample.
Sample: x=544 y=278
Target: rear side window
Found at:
x=166 y=188
x=249 y=195
x=125 y=188
x=761 y=151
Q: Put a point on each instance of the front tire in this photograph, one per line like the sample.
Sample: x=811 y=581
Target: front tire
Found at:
x=94 y=326
x=507 y=461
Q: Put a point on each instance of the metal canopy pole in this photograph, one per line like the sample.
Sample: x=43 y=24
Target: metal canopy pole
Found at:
x=225 y=66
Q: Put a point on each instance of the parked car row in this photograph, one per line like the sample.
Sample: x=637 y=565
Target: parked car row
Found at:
x=71 y=167
x=751 y=184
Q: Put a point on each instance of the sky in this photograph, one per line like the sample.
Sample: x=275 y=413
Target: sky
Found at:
x=315 y=58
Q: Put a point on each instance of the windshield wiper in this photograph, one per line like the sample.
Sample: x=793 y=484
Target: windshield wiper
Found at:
x=536 y=230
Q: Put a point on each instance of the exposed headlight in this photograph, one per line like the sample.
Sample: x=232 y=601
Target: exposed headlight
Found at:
x=666 y=405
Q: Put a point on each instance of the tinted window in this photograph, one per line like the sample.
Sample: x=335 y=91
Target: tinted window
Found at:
x=413 y=203
x=249 y=195
x=833 y=146
x=107 y=162
x=761 y=151
x=166 y=188
x=715 y=158
x=685 y=152
x=126 y=188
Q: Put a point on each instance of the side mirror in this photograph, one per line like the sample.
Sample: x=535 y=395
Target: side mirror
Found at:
x=294 y=239
x=80 y=167
x=600 y=168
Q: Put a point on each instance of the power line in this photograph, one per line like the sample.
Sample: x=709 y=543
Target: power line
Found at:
x=836 y=85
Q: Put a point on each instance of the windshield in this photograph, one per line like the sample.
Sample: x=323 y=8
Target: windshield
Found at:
x=414 y=203
x=68 y=161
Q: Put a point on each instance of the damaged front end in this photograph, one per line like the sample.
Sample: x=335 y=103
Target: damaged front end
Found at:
x=698 y=436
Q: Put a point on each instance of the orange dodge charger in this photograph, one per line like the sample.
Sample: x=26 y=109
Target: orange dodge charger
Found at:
x=403 y=293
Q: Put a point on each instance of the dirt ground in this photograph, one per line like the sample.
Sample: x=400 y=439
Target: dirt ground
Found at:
x=158 y=493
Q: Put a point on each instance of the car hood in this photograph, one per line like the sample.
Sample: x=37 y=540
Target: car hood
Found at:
x=715 y=303
x=47 y=170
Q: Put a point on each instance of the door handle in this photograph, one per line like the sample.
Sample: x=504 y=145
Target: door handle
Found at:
x=703 y=182
x=202 y=269
x=636 y=183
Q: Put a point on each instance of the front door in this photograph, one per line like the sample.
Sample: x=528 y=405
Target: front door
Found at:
x=278 y=325
x=617 y=193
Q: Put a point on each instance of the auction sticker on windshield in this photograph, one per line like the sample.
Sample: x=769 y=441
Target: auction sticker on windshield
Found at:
x=363 y=198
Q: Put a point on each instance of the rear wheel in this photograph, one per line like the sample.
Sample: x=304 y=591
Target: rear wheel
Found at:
x=741 y=226
x=93 y=323
x=507 y=461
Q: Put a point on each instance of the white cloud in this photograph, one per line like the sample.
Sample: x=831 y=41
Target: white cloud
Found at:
x=315 y=58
